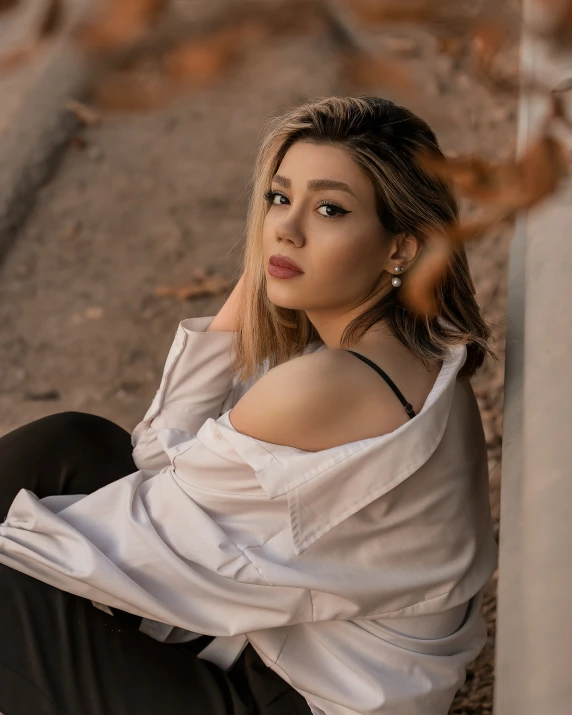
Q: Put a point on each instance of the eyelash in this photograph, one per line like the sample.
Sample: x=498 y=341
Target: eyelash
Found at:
x=269 y=196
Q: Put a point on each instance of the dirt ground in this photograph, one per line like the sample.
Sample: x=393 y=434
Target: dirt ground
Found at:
x=153 y=196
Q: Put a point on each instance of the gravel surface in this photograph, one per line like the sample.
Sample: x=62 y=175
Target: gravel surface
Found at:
x=153 y=196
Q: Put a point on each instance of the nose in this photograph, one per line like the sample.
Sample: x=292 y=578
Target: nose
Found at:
x=290 y=229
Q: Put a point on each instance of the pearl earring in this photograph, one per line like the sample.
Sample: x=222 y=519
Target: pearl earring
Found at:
x=396 y=281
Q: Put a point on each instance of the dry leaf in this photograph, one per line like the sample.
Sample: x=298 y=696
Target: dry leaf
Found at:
x=204 y=285
x=205 y=60
x=507 y=188
x=418 y=290
x=200 y=273
x=366 y=71
x=50 y=23
x=449 y=16
x=131 y=91
x=475 y=178
x=559 y=108
x=488 y=38
x=7 y=5
x=13 y=59
x=117 y=23
x=77 y=141
x=542 y=168
x=53 y=19
x=86 y=115
x=559 y=34
x=93 y=313
x=420 y=287
x=452 y=46
x=512 y=185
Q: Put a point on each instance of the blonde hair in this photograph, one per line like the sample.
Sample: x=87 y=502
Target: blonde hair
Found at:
x=383 y=139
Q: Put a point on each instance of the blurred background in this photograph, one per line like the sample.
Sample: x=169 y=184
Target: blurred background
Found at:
x=131 y=201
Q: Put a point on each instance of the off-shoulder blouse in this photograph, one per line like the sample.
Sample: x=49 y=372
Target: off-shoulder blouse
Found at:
x=356 y=572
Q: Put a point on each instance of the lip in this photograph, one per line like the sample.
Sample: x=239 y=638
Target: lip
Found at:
x=284 y=262
x=281 y=272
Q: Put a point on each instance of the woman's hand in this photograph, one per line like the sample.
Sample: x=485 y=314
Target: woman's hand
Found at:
x=225 y=320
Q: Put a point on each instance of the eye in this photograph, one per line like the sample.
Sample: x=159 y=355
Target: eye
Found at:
x=270 y=196
x=339 y=211
x=330 y=210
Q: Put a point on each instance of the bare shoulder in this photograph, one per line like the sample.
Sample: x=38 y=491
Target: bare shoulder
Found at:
x=315 y=402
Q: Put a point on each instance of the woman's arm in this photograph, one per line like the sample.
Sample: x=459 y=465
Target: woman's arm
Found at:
x=195 y=384
x=225 y=320
x=145 y=546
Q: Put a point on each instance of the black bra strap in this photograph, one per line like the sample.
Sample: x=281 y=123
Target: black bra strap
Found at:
x=408 y=407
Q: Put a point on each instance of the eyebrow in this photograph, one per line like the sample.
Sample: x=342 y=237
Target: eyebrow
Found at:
x=316 y=184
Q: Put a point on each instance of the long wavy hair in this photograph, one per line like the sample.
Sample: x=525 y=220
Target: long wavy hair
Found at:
x=384 y=140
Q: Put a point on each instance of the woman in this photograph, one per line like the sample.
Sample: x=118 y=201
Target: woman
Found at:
x=307 y=495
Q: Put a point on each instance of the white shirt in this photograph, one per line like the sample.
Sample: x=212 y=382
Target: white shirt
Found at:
x=356 y=572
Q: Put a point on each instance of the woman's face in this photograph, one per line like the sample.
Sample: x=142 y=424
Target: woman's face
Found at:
x=322 y=216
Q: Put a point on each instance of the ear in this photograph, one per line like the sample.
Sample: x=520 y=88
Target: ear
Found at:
x=403 y=251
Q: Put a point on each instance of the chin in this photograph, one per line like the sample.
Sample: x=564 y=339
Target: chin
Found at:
x=283 y=301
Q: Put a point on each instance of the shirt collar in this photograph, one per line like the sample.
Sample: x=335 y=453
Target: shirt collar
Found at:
x=323 y=488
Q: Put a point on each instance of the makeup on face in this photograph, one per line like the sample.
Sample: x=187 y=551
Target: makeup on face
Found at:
x=283 y=267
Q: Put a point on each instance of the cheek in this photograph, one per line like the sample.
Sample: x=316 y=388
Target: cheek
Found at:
x=336 y=264
x=349 y=256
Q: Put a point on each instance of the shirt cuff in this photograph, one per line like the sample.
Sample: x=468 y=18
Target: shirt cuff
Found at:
x=195 y=384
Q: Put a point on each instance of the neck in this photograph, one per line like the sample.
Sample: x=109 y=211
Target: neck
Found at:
x=331 y=330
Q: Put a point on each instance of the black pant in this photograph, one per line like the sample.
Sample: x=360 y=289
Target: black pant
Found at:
x=59 y=655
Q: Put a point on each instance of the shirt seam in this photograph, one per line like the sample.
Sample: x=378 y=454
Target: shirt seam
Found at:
x=305 y=478
x=269 y=583
x=387 y=614
x=426 y=600
x=363 y=501
x=283 y=644
x=259 y=546
x=194 y=441
x=262 y=497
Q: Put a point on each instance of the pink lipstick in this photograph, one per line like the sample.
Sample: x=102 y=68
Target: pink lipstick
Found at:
x=283 y=267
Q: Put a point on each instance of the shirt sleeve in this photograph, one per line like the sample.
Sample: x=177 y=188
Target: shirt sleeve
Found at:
x=196 y=384
x=143 y=545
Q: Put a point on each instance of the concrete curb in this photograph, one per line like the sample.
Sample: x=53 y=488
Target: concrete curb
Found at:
x=534 y=629
x=34 y=126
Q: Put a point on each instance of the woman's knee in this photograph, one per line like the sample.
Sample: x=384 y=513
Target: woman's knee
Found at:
x=83 y=425
x=67 y=428
x=103 y=439
x=64 y=453
x=94 y=442
x=75 y=423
